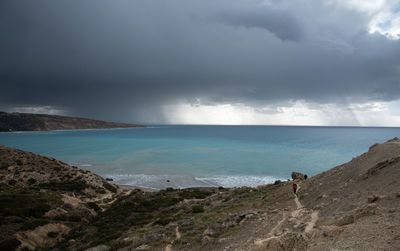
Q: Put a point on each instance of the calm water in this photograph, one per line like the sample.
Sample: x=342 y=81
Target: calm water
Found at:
x=185 y=156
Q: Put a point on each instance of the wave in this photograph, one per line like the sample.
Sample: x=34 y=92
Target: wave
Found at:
x=84 y=165
x=184 y=181
x=239 y=181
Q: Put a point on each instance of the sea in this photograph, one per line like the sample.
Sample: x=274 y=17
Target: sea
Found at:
x=180 y=156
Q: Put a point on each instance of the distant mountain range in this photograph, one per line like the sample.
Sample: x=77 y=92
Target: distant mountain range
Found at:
x=42 y=122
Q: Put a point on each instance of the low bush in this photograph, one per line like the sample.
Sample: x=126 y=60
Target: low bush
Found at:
x=197 y=209
x=110 y=187
x=9 y=244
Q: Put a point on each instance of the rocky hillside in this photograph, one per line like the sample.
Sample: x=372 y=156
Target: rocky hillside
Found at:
x=42 y=122
x=358 y=203
x=355 y=206
x=43 y=199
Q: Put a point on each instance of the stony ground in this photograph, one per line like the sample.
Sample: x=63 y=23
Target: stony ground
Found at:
x=43 y=199
x=355 y=206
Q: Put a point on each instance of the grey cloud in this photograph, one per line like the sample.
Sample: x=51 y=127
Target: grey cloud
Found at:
x=124 y=60
x=281 y=23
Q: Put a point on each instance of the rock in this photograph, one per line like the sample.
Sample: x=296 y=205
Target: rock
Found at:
x=346 y=220
x=373 y=146
x=109 y=179
x=208 y=232
x=297 y=176
x=277 y=182
x=206 y=239
x=143 y=247
x=229 y=224
x=288 y=241
x=373 y=198
x=99 y=248
x=54 y=213
x=332 y=231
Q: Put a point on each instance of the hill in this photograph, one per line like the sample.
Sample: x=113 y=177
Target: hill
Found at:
x=42 y=199
x=355 y=206
x=43 y=122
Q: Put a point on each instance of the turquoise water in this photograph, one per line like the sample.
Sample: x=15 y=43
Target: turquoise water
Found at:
x=186 y=156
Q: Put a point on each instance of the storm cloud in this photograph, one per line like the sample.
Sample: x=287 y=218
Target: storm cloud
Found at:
x=129 y=60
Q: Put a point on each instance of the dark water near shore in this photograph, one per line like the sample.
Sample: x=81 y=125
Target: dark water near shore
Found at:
x=189 y=156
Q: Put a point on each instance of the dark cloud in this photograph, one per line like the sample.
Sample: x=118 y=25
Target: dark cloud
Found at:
x=281 y=23
x=124 y=60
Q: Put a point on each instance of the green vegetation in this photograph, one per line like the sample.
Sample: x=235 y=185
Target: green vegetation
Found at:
x=137 y=211
x=110 y=187
x=33 y=223
x=197 y=209
x=75 y=185
x=52 y=234
x=9 y=244
x=26 y=203
x=93 y=206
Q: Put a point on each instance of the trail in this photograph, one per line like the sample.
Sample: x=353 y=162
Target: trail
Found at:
x=297 y=218
x=178 y=236
x=311 y=224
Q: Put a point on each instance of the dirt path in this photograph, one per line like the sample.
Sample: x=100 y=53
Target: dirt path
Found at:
x=298 y=217
x=178 y=236
x=311 y=224
x=274 y=231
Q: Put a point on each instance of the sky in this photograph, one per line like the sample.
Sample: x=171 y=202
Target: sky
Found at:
x=258 y=62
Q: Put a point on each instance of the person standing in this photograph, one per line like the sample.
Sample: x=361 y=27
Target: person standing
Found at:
x=294 y=187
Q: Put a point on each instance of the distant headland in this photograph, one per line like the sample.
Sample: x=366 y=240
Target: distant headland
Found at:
x=10 y=122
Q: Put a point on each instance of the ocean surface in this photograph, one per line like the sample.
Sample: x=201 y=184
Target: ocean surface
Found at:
x=190 y=156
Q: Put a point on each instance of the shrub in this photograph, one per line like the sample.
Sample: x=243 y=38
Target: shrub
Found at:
x=9 y=244
x=25 y=203
x=195 y=193
x=197 y=209
x=52 y=234
x=64 y=186
x=4 y=165
x=169 y=189
x=163 y=221
x=109 y=187
x=93 y=206
x=32 y=224
x=31 y=181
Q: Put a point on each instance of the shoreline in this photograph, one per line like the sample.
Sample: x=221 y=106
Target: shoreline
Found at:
x=68 y=130
x=152 y=190
x=161 y=182
x=130 y=188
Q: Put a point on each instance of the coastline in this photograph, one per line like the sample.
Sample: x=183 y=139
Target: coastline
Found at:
x=10 y=122
x=147 y=189
x=159 y=182
x=130 y=188
x=85 y=211
x=71 y=130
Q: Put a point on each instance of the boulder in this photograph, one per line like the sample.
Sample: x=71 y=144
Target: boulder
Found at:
x=297 y=176
x=99 y=248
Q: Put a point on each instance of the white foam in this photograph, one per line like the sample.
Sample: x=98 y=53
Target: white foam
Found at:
x=181 y=181
x=239 y=181
x=85 y=165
